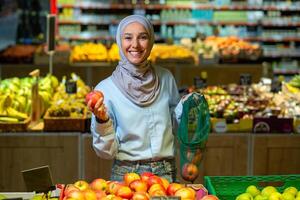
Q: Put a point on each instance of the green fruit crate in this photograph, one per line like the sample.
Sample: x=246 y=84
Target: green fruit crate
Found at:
x=229 y=187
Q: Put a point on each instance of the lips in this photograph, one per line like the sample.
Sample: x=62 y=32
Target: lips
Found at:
x=135 y=53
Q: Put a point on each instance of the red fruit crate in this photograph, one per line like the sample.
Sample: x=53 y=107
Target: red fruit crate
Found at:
x=229 y=187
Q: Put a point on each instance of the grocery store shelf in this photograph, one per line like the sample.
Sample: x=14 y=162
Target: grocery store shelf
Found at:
x=96 y=5
x=269 y=39
x=281 y=54
x=286 y=71
x=180 y=22
x=92 y=64
x=87 y=22
x=87 y=38
x=106 y=37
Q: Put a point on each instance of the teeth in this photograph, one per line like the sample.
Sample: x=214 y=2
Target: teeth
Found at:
x=135 y=53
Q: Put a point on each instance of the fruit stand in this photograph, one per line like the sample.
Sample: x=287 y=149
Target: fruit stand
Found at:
x=71 y=157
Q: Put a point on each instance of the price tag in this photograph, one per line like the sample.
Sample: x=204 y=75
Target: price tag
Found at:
x=199 y=82
x=276 y=86
x=71 y=87
x=245 y=79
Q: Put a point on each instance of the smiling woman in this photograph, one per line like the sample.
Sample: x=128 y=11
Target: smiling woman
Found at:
x=136 y=43
x=140 y=100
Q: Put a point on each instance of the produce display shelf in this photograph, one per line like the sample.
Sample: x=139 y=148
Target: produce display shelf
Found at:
x=229 y=187
x=14 y=126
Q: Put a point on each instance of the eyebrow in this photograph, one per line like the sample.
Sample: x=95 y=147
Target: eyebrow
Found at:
x=142 y=33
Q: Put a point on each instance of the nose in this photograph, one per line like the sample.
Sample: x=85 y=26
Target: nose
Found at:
x=135 y=43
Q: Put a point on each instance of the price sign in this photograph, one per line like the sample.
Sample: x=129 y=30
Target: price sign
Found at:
x=38 y=179
x=245 y=79
x=275 y=86
x=199 y=82
x=71 y=87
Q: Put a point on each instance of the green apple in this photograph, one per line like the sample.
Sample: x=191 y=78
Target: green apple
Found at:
x=291 y=190
x=298 y=197
x=244 y=196
x=268 y=190
x=287 y=196
x=275 y=196
x=252 y=190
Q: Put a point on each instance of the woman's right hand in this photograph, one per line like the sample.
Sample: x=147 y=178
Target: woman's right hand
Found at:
x=99 y=110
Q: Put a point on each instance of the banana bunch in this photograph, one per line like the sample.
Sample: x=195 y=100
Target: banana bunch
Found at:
x=69 y=105
x=295 y=81
x=16 y=96
x=89 y=52
x=8 y=113
x=113 y=53
x=291 y=88
x=164 y=51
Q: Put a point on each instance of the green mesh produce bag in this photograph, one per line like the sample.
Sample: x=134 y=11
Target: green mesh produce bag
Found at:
x=192 y=135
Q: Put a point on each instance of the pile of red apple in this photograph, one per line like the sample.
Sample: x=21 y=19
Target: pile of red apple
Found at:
x=134 y=186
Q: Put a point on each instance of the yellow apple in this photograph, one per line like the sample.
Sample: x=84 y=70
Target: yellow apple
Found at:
x=275 y=196
x=99 y=184
x=287 y=196
x=260 y=197
x=291 y=190
x=252 y=190
x=268 y=190
x=90 y=194
x=82 y=185
x=244 y=196
x=130 y=176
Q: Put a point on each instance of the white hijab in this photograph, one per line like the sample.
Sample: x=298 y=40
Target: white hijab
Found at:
x=139 y=83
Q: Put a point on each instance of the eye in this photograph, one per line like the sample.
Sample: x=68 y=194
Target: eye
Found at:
x=144 y=37
x=127 y=38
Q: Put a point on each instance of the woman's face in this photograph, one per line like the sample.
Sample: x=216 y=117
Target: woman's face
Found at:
x=135 y=43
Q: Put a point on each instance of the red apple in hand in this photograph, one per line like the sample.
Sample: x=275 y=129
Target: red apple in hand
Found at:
x=94 y=96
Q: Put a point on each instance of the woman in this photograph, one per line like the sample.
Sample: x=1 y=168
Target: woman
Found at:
x=133 y=123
